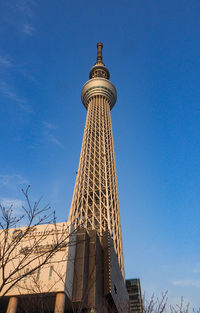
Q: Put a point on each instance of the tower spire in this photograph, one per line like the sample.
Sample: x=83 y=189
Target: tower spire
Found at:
x=99 y=69
x=99 y=52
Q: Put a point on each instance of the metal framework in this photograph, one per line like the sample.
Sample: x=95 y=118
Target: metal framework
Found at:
x=95 y=203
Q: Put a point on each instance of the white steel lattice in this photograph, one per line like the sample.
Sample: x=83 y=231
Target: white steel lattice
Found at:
x=95 y=201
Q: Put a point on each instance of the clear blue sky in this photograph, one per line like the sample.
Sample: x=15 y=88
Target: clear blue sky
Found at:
x=152 y=50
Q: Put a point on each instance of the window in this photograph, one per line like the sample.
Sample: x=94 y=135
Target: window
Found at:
x=50 y=272
x=26 y=273
x=38 y=274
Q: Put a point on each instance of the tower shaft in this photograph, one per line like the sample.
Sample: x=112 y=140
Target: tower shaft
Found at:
x=95 y=203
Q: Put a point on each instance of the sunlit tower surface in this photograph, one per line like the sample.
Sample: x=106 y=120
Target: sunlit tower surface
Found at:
x=95 y=203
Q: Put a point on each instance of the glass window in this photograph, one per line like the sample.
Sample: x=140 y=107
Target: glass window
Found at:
x=50 y=272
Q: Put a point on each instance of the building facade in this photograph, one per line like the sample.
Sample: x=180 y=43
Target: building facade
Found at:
x=37 y=260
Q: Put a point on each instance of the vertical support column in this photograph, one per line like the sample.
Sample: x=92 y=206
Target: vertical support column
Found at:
x=60 y=303
x=12 y=305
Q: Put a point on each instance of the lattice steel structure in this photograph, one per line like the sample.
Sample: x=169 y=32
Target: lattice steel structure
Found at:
x=95 y=203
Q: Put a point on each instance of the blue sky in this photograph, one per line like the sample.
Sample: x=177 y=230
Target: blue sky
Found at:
x=152 y=50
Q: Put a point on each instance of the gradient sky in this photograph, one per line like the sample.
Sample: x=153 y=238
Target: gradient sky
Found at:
x=152 y=50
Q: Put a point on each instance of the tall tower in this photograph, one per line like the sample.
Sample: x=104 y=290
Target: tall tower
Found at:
x=95 y=203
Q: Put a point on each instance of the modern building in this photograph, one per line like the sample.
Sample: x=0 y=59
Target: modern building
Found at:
x=135 y=295
x=90 y=277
